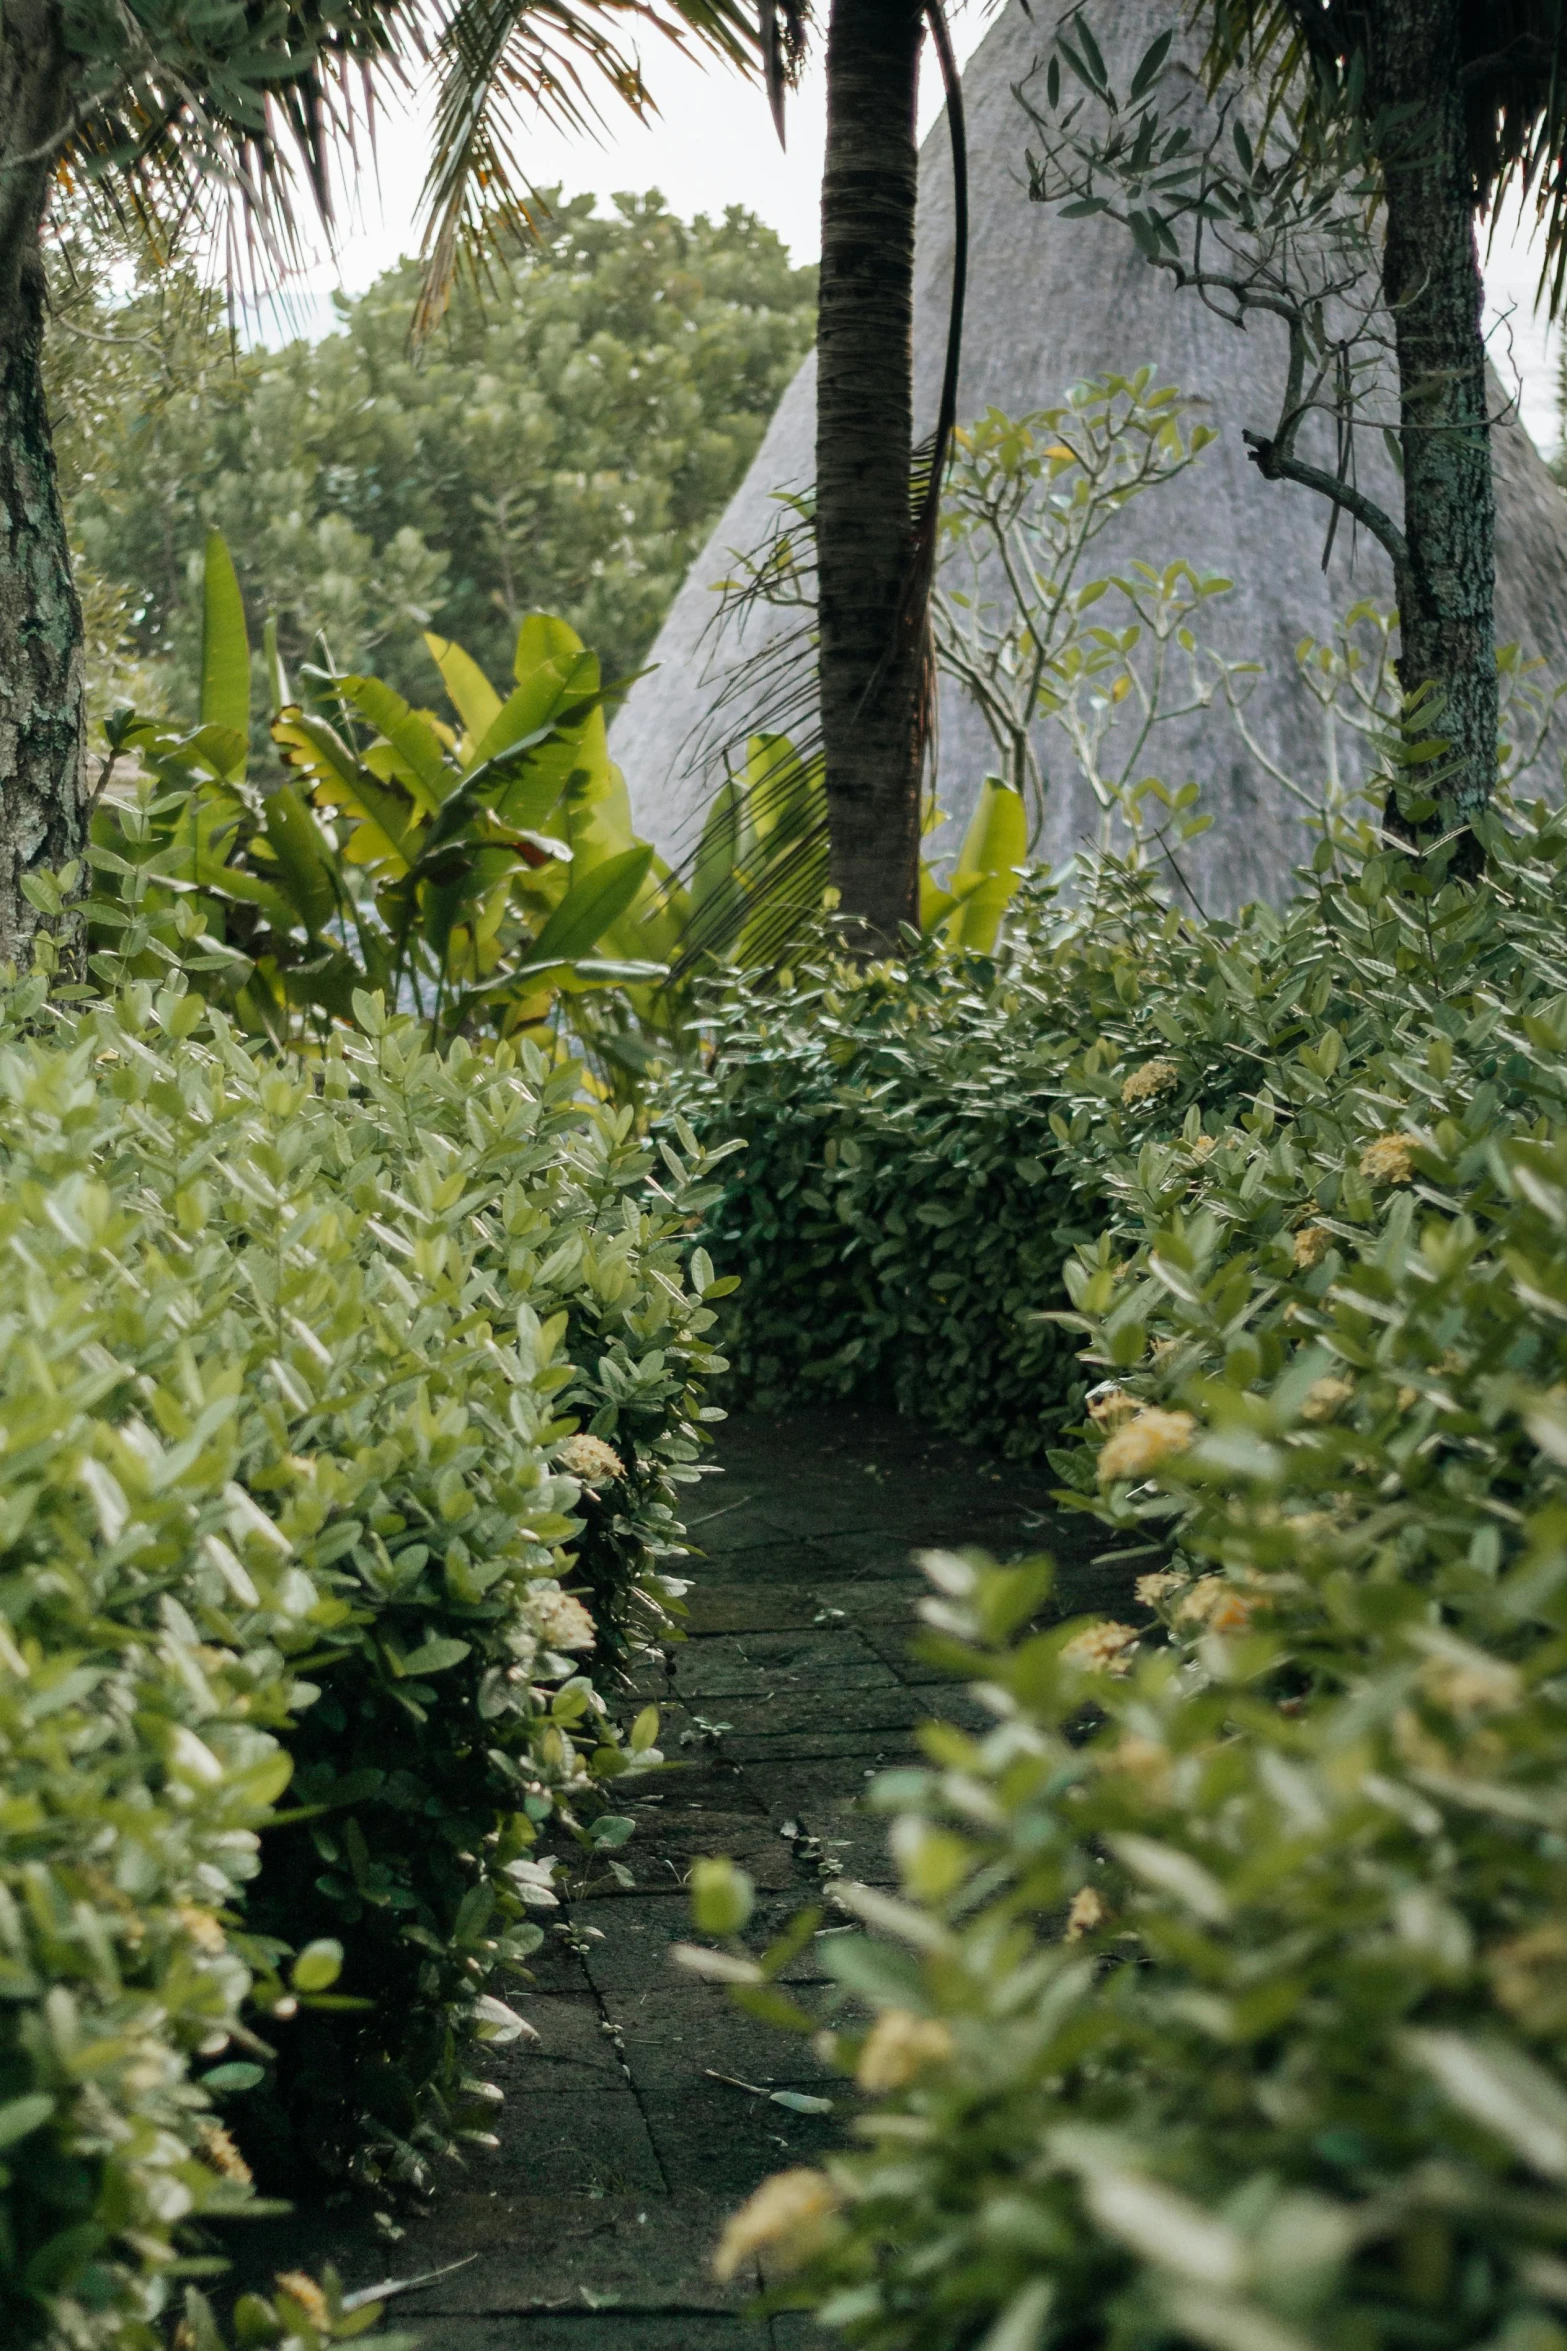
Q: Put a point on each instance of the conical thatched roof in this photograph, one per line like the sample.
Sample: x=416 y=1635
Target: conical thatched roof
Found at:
x=1053 y=301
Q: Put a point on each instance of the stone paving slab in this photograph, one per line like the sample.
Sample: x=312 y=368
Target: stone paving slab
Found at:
x=591 y=2225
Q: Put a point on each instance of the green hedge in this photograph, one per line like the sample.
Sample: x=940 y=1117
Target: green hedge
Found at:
x=925 y=1146
x=901 y=1202
x=1224 y=2002
x=291 y=1365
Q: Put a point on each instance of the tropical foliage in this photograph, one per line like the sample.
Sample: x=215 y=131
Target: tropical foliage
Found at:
x=402 y=857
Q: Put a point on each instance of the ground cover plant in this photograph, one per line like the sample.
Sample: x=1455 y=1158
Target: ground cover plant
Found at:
x=1222 y=2000
x=345 y=1409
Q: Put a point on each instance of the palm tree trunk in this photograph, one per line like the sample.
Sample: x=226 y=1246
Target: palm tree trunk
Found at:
x=1431 y=275
x=41 y=711
x=870 y=654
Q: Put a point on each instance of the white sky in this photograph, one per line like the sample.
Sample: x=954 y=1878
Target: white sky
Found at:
x=712 y=144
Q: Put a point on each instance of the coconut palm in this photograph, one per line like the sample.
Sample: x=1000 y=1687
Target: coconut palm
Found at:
x=240 y=120
x=875 y=543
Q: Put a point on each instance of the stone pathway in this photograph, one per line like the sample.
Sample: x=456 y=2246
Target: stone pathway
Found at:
x=622 y=2147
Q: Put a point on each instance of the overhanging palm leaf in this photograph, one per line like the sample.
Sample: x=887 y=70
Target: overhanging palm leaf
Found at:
x=505 y=63
x=218 y=125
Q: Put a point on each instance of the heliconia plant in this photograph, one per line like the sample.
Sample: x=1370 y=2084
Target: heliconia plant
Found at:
x=469 y=871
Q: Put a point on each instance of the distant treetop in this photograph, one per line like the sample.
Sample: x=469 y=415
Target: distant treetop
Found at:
x=564 y=441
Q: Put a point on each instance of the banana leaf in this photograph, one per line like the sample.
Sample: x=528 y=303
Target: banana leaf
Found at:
x=225 y=651
x=412 y=737
x=473 y=697
x=985 y=875
x=589 y=908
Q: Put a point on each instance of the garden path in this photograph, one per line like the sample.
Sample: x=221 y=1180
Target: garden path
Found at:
x=643 y=2113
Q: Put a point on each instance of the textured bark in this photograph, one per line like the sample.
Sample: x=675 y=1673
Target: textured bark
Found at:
x=870 y=655
x=1431 y=273
x=41 y=715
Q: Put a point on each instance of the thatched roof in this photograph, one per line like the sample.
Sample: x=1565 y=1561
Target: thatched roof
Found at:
x=1052 y=301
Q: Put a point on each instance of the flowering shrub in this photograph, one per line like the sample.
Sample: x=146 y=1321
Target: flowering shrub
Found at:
x=933 y=1149
x=1231 y=2013
x=289 y=1360
x=1247 y=1920
x=902 y=1202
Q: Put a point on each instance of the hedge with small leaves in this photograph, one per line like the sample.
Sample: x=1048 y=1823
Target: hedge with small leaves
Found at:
x=1224 y=2002
x=289 y=1362
x=903 y=1203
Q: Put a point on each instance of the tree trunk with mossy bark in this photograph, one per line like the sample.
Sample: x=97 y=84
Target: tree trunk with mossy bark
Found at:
x=1431 y=276
x=871 y=653
x=41 y=709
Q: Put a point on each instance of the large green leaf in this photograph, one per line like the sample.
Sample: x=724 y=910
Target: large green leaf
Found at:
x=551 y=688
x=306 y=862
x=473 y=697
x=985 y=876
x=316 y=746
x=413 y=738
x=589 y=907
x=718 y=855
x=225 y=648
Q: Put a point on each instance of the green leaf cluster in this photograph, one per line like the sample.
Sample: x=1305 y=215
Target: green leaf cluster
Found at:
x=1221 y=1998
x=401 y=856
x=913 y=1180
x=296 y=1364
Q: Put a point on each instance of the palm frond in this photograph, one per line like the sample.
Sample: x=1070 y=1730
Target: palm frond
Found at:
x=507 y=65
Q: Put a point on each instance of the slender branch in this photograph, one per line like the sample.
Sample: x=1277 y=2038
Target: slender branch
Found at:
x=1275 y=465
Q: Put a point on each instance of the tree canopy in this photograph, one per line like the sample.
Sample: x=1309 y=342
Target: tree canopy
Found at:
x=564 y=441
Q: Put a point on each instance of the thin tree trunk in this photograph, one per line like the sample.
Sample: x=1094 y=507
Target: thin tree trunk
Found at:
x=41 y=711
x=1431 y=275
x=870 y=657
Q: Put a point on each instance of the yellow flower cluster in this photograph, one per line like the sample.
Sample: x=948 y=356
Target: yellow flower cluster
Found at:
x=898 y=2046
x=205 y=1931
x=591 y=1460
x=1214 y=1601
x=1151 y=1589
x=1312 y=1244
x=1388 y=1160
x=789 y=2211
x=302 y=2290
x=1102 y=1648
x=1324 y=1397
x=1142 y=1443
x=563 y=1621
x=218 y=2151
x=1086 y=1913
x=1109 y=1404
x=1149 y=1082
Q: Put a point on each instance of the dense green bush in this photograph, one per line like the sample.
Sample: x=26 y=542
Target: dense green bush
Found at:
x=1226 y=1999
x=923 y=1147
x=929 y=1145
x=298 y=1367
x=1235 y=2022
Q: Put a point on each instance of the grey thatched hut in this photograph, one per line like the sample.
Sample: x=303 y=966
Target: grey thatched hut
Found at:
x=1053 y=301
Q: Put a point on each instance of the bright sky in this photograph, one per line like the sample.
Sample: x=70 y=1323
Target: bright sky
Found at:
x=712 y=144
